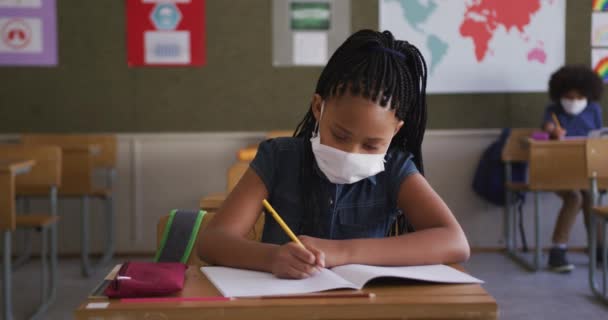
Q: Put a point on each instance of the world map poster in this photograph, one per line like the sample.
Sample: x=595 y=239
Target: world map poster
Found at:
x=482 y=45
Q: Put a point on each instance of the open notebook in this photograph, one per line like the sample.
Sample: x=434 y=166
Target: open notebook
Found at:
x=246 y=283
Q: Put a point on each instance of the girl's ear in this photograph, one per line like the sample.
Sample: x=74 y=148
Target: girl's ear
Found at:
x=316 y=104
x=398 y=127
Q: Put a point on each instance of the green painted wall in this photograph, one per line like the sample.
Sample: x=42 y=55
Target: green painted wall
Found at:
x=93 y=90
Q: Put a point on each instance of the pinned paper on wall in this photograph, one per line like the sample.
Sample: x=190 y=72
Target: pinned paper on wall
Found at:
x=166 y=32
x=310 y=48
x=28 y=33
x=309 y=24
x=599 y=29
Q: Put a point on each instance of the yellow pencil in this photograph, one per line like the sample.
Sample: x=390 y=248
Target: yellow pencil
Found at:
x=280 y=221
x=556 y=120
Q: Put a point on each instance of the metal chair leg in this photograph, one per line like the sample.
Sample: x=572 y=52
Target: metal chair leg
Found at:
x=87 y=266
x=109 y=215
x=6 y=278
x=85 y=262
x=604 y=260
x=53 y=240
x=514 y=253
x=25 y=253
x=507 y=220
x=537 y=243
x=46 y=291
x=595 y=289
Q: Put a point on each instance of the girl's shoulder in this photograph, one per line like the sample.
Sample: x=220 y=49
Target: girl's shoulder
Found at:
x=400 y=160
x=283 y=144
x=595 y=105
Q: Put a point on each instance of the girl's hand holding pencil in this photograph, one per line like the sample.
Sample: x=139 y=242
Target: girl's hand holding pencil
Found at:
x=293 y=259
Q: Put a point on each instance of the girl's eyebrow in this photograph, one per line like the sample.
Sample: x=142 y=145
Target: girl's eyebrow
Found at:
x=374 y=140
x=347 y=132
x=344 y=130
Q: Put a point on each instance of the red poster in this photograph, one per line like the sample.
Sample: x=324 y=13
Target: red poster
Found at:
x=166 y=32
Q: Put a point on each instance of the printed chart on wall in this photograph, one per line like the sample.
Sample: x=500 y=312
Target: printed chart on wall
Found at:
x=482 y=45
x=28 y=33
x=165 y=32
x=599 y=38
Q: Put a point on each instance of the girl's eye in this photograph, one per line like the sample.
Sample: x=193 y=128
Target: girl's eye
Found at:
x=339 y=137
x=370 y=147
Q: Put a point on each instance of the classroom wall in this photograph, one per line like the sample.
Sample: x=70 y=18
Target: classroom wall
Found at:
x=92 y=89
x=161 y=172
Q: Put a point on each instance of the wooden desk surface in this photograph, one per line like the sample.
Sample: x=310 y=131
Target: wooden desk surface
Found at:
x=14 y=166
x=93 y=149
x=393 y=301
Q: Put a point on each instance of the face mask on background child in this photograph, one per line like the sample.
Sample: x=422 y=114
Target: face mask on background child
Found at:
x=343 y=167
x=574 y=106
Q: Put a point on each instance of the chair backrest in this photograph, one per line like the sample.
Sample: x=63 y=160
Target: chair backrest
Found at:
x=107 y=143
x=254 y=234
x=235 y=172
x=46 y=172
x=8 y=169
x=597 y=158
x=557 y=165
x=516 y=149
x=599 y=133
x=279 y=134
x=7 y=199
x=79 y=155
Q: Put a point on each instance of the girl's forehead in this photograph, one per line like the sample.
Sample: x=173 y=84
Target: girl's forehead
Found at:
x=573 y=93
x=357 y=113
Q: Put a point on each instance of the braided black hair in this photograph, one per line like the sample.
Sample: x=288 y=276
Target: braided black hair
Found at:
x=376 y=66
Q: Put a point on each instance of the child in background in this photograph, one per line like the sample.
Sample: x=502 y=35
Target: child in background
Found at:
x=353 y=165
x=575 y=91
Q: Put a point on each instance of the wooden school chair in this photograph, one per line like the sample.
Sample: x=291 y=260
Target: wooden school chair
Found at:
x=244 y=156
x=46 y=175
x=81 y=155
x=597 y=173
x=516 y=150
x=553 y=166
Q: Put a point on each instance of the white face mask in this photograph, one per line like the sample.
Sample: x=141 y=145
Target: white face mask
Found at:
x=343 y=167
x=574 y=106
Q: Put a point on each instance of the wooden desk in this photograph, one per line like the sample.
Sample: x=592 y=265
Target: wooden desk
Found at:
x=553 y=165
x=247 y=154
x=558 y=165
x=15 y=166
x=408 y=300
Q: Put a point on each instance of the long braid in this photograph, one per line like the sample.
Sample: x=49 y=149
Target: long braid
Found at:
x=378 y=67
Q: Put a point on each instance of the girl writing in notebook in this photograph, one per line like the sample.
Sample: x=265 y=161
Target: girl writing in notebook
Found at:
x=574 y=112
x=353 y=167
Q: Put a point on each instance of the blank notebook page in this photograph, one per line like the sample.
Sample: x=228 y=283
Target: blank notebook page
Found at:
x=246 y=283
x=359 y=274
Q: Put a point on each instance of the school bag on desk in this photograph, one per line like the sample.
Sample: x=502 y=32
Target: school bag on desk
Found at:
x=166 y=274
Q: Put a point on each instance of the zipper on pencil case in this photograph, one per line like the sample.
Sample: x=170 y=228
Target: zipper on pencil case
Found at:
x=121 y=273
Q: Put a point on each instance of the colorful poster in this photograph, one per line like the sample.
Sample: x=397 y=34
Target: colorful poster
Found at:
x=599 y=29
x=166 y=32
x=482 y=45
x=28 y=33
x=599 y=63
x=600 y=5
